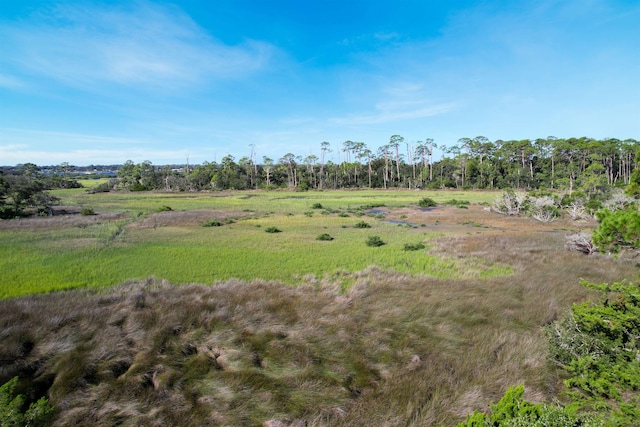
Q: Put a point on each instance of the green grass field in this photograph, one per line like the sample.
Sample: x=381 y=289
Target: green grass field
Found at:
x=77 y=254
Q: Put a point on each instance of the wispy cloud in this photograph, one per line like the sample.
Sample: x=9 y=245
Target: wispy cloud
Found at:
x=144 y=44
x=397 y=101
x=391 y=115
x=25 y=137
x=10 y=82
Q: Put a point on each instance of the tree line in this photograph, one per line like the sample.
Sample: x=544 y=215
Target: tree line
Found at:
x=587 y=164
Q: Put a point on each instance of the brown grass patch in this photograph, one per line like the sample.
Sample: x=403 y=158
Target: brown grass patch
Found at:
x=184 y=218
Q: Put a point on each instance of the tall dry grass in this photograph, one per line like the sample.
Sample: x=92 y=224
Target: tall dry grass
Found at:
x=391 y=349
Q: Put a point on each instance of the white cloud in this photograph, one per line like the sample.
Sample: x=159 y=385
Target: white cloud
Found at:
x=143 y=45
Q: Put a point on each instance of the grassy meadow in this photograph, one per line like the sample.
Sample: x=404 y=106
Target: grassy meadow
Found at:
x=229 y=324
x=144 y=242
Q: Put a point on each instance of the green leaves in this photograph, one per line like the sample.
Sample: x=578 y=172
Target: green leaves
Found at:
x=618 y=229
x=11 y=404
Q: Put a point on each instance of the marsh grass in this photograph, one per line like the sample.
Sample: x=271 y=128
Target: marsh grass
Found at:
x=371 y=347
x=108 y=250
x=423 y=338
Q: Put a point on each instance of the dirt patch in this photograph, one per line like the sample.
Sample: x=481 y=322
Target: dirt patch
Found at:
x=478 y=220
x=185 y=218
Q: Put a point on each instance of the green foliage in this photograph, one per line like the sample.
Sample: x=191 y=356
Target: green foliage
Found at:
x=375 y=241
x=618 y=229
x=12 y=405
x=456 y=202
x=633 y=189
x=513 y=411
x=324 y=236
x=414 y=246
x=362 y=224
x=24 y=192
x=599 y=345
x=316 y=206
x=164 y=208
x=103 y=187
x=272 y=230
x=212 y=223
x=427 y=202
x=87 y=211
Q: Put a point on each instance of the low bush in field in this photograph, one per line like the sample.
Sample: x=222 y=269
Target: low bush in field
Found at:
x=316 y=206
x=413 y=246
x=456 y=202
x=325 y=237
x=87 y=211
x=362 y=224
x=164 y=208
x=427 y=202
x=272 y=230
x=212 y=223
x=375 y=241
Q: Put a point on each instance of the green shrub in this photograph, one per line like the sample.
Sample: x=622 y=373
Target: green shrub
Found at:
x=513 y=411
x=414 y=246
x=87 y=211
x=164 y=209
x=375 y=241
x=212 y=223
x=598 y=345
x=456 y=202
x=272 y=230
x=316 y=206
x=618 y=229
x=362 y=224
x=324 y=236
x=12 y=404
x=343 y=215
x=427 y=202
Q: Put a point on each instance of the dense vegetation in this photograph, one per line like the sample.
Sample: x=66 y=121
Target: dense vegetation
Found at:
x=561 y=164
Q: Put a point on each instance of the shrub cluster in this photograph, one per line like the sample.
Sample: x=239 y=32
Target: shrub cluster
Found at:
x=426 y=202
x=375 y=241
x=362 y=224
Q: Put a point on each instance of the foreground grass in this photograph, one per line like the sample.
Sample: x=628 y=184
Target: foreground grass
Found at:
x=390 y=350
x=100 y=253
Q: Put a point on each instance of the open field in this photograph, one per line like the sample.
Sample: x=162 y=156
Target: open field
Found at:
x=130 y=239
x=318 y=333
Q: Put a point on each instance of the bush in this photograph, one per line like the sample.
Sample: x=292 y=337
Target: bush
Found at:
x=105 y=187
x=87 y=211
x=513 y=411
x=272 y=230
x=598 y=345
x=456 y=202
x=164 y=209
x=316 y=206
x=362 y=224
x=212 y=223
x=618 y=229
x=414 y=246
x=375 y=241
x=426 y=202
x=324 y=236
x=12 y=404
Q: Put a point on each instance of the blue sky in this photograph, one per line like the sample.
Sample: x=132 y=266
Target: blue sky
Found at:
x=101 y=82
